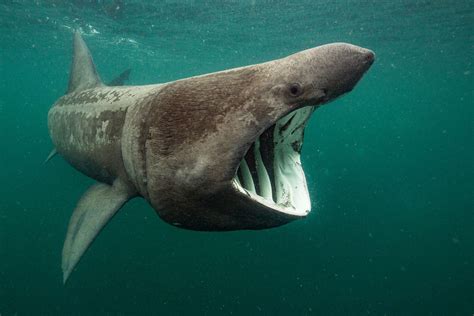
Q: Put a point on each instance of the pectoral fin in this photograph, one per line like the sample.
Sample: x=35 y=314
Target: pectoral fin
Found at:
x=94 y=210
x=51 y=155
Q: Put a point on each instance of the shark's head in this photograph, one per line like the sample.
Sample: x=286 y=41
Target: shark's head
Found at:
x=224 y=148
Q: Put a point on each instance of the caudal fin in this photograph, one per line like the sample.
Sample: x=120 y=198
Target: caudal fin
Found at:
x=83 y=73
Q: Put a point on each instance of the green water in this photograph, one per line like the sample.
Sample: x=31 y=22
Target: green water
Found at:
x=389 y=166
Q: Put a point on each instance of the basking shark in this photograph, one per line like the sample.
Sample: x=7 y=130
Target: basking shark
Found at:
x=215 y=152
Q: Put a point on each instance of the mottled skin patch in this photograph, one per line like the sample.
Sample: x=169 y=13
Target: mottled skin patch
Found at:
x=93 y=97
x=92 y=145
x=86 y=129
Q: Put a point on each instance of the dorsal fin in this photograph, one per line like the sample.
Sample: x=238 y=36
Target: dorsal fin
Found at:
x=120 y=79
x=83 y=74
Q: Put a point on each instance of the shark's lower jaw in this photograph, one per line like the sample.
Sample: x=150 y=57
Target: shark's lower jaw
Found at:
x=271 y=173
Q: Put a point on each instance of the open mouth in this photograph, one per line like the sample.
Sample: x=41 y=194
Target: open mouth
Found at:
x=271 y=173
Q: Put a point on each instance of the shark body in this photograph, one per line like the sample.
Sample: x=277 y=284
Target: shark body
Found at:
x=214 y=152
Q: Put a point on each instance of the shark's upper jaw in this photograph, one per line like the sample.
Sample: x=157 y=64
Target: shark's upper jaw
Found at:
x=271 y=173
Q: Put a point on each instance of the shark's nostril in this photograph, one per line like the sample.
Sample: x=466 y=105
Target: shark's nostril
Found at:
x=369 y=57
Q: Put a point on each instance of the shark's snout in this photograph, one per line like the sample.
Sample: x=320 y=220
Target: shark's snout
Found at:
x=369 y=57
x=344 y=66
x=362 y=60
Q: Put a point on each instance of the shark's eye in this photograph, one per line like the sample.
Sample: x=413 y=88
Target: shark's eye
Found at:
x=295 y=89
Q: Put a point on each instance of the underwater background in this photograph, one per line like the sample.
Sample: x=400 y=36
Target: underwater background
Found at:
x=390 y=166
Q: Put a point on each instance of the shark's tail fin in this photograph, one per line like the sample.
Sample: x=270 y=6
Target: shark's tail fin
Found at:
x=83 y=73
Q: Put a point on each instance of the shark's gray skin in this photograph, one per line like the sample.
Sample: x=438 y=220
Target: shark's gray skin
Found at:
x=214 y=152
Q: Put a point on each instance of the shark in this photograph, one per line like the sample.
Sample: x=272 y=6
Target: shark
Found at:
x=214 y=152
